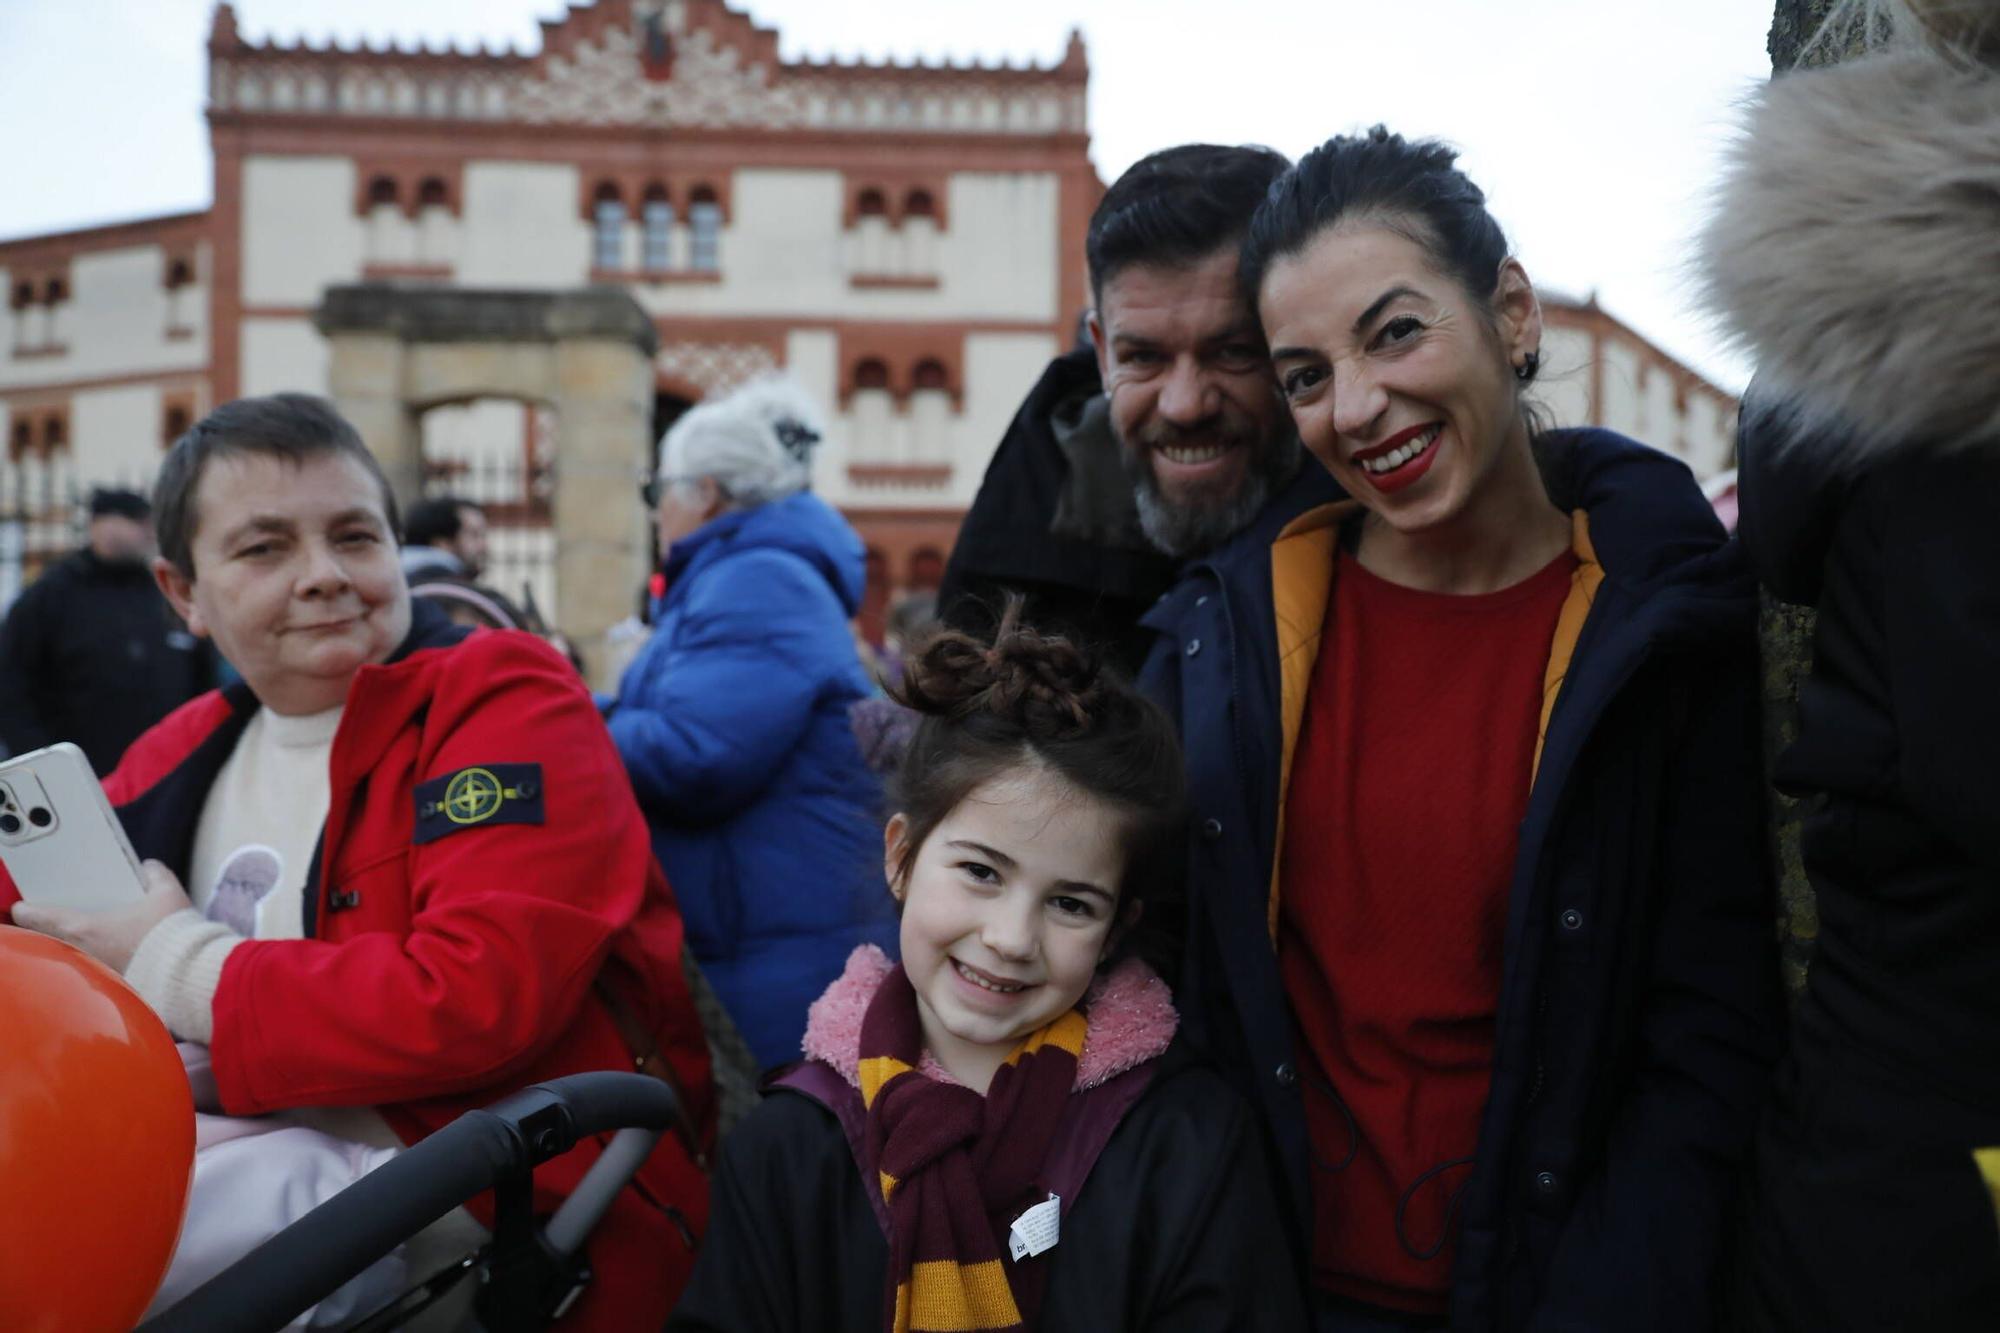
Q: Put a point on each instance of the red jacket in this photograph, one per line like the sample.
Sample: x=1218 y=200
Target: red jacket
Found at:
x=441 y=974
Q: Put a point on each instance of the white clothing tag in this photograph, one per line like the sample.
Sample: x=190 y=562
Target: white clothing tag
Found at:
x=1035 y=1230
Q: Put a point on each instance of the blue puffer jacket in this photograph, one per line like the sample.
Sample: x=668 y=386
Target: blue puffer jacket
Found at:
x=733 y=724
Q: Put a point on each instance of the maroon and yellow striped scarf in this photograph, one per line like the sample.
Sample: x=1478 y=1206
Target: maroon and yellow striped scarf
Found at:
x=955 y=1169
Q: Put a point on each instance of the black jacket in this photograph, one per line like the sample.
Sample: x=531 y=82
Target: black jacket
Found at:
x=1897 y=727
x=1174 y=1229
x=1864 y=1164
x=1055 y=520
x=1639 y=1009
x=92 y=653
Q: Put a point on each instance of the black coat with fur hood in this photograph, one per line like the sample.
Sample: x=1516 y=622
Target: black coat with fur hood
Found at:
x=1857 y=255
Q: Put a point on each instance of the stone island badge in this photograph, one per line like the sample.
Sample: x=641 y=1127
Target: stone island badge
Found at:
x=478 y=796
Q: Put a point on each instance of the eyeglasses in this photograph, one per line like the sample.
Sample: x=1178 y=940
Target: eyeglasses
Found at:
x=652 y=488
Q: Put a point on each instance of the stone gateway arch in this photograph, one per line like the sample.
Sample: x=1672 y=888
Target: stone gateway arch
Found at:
x=397 y=352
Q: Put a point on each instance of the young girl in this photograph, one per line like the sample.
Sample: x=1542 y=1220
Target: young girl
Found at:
x=998 y=1133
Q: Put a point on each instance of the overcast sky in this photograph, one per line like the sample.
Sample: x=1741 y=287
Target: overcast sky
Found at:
x=1595 y=126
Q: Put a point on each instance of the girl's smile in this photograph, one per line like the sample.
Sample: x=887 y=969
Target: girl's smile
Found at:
x=1008 y=908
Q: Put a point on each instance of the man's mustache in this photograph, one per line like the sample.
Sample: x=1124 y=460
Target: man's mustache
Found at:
x=1218 y=429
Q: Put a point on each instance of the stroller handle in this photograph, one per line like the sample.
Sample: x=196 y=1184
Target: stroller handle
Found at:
x=313 y=1257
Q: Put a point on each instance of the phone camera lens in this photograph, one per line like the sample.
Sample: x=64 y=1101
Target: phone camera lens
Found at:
x=10 y=824
x=40 y=817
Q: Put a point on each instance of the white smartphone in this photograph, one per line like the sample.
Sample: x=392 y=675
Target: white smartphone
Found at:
x=59 y=838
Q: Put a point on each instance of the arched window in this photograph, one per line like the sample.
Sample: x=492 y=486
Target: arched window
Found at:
x=704 y=230
x=872 y=250
x=173 y=425
x=920 y=234
x=930 y=412
x=23 y=441
x=608 y=218
x=926 y=568
x=381 y=190
x=656 y=216
x=875 y=431
x=179 y=275
x=56 y=292
x=436 y=240
x=24 y=295
x=54 y=435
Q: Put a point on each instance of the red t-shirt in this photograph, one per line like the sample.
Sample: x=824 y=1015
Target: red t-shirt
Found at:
x=1409 y=782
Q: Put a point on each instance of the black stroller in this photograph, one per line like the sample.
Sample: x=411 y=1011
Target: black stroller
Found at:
x=528 y=1275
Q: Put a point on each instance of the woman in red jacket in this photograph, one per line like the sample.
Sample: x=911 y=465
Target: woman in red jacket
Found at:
x=399 y=872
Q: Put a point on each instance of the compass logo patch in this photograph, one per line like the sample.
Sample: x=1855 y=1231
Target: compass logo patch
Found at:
x=478 y=796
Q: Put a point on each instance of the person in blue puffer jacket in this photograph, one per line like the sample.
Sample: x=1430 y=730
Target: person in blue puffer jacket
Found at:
x=733 y=720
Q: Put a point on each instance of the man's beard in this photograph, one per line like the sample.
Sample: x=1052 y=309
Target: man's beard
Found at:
x=1205 y=519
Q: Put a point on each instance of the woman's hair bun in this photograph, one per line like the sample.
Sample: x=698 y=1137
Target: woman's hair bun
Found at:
x=1044 y=683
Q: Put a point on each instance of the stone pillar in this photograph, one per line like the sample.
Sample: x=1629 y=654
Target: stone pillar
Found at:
x=589 y=353
x=604 y=406
x=366 y=381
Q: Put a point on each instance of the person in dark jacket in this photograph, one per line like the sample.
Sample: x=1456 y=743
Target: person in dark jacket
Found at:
x=1149 y=446
x=733 y=719
x=1480 y=901
x=91 y=652
x=443 y=534
x=1856 y=255
x=1001 y=1132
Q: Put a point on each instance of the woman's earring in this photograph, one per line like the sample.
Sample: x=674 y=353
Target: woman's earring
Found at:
x=1529 y=364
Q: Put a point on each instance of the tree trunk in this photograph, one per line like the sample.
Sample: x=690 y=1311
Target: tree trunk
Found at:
x=1797 y=42
x=1785 y=632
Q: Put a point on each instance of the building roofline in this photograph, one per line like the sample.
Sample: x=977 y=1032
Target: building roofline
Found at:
x=103 y=235
x=583 y=22
x=1593 y=312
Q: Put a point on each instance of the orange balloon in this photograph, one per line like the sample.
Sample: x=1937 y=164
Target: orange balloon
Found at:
x=96 y=1142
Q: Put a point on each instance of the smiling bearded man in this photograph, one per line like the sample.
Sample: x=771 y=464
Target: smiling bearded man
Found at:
x=1204 y=439
x=1158 y=441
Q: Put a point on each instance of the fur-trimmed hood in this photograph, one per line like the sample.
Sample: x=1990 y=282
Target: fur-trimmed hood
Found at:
x=1855 y=254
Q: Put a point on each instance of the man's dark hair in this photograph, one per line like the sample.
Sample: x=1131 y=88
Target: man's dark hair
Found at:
x=434 y=519
x=291 y=427
x=1178 y=206
x=117 y=501
x=1412 y=187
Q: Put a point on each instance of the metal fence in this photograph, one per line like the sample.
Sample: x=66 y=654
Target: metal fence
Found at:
x=517 y=497
x=45 y=508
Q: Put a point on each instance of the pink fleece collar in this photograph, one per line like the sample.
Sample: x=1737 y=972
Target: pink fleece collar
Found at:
x=1130 y=1011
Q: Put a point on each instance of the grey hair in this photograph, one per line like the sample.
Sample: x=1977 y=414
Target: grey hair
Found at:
x=754 y=443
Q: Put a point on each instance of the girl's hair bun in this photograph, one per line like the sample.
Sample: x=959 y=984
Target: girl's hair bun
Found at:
x=1045 y=684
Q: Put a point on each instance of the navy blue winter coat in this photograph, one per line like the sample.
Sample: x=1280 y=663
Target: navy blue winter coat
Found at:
x=1639 y=1011
x=733 y=724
